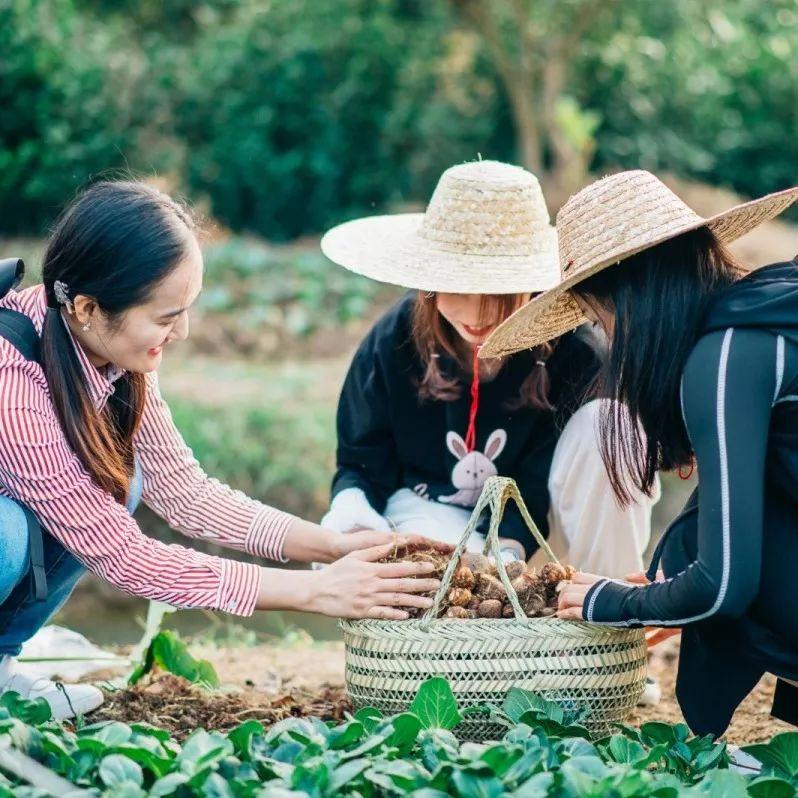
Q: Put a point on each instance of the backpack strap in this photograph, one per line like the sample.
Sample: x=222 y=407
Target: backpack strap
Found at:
x=19 y=331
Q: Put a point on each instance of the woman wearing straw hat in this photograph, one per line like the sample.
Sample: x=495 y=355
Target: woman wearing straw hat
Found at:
x=704 y=353
x=422 y=425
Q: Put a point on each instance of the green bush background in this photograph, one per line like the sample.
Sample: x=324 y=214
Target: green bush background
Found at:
x=284 y=117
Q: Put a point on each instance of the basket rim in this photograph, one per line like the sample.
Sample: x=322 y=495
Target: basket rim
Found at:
x=495 y=627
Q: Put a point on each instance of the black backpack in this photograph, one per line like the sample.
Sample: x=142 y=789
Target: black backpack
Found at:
x=19 y=331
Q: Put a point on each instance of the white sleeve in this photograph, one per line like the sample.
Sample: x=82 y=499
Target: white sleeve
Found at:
x=599 y=536
x=350 y=511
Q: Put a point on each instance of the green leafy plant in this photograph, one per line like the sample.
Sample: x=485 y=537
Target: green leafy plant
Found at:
x=413 y=753
x=169 y=653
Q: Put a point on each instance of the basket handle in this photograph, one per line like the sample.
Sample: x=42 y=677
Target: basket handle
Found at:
x=495 y=494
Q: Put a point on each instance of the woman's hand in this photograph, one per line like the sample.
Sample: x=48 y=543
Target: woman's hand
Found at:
x=358 y=586
x=572 y=596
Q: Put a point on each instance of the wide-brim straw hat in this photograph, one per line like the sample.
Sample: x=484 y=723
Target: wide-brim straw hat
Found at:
x=486 y=230
x=606 y=222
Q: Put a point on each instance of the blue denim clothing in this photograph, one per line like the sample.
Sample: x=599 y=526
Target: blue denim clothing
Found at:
x=21 y=614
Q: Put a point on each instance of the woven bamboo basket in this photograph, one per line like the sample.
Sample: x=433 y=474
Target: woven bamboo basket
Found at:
x=599 y=670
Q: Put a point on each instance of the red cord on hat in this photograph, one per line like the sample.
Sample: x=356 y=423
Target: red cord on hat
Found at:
x=471 y=433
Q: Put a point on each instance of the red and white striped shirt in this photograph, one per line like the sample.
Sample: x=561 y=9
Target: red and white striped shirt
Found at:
x=39 y=469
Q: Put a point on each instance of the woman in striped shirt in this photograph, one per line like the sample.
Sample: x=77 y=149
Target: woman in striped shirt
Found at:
x=85 y=434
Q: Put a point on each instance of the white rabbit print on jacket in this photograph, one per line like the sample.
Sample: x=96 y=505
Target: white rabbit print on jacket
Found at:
x=389 y=438
x=472 y=468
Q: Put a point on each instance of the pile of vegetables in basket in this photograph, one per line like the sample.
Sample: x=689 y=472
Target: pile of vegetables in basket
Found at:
x=476 y=590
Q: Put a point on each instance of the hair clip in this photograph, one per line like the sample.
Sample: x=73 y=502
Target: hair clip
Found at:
x=61 y=291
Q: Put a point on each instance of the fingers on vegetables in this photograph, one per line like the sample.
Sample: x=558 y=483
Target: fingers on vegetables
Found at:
x=476 y=591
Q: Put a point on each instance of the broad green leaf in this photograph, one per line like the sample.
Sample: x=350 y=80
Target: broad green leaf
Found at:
x=369 y=717
x=406 y=727
x=33 y=711
x=116 y=769
x=346 y=773
x=476 y=785
x=168 y=785
x=707 y=760
x=216 y=787
x=625 y=751
x=241 y=735
x=722 y=784
x=435 y=705
x=656 y=732
x=342 y=737
x=537 y=786
x=519 y=702
x=770 y=787
x=779 y=756
x=108 y=733
x=202 y=749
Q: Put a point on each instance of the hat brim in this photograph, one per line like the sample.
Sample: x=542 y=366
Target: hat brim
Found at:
x=555 y=312
x=390 y=249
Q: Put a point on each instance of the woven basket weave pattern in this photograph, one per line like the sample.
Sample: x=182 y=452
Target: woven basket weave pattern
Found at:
x=597 y=669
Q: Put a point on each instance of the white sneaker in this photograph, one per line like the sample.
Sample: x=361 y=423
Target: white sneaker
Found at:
x=65 y=700
x=652 y=693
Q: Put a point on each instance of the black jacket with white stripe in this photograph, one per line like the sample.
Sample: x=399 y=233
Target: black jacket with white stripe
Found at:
x=731 y=558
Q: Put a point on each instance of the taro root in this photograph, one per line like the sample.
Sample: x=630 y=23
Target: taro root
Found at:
x=534 y=605
x=464 y=577
x=489 y=587
x=490 y=608
x=473 y=605
x=524 y=586
x=552 y=573
x=457 y=612
x=547 y=612
x=459 y=597
x=478 y=563
x=508 y=611
x=515 y=569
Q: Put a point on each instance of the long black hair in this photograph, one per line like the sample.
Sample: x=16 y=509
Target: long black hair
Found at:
x=115 y=243
x=657 y=298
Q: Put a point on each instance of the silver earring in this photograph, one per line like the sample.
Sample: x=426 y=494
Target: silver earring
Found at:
x=87 y=326
x=429 y=295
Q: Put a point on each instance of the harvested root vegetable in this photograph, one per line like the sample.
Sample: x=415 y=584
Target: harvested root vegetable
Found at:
x=476 y=590
x=464 y=577
x=515 y=569
x=459 y=597
x=489 y=587
x=477 y=563
x=490 y=608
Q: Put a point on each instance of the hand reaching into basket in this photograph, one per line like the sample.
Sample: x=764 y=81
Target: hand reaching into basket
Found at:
x=354 y=586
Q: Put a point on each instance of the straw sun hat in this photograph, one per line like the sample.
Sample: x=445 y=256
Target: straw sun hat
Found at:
x=609 y=220
x=486 y=230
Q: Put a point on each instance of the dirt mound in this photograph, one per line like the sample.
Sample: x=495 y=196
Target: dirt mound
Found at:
x=172 y=703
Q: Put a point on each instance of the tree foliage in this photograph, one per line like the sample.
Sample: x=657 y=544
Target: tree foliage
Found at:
x=283 y=118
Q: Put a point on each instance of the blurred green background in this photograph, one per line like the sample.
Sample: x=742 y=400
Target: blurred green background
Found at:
x=278 y=119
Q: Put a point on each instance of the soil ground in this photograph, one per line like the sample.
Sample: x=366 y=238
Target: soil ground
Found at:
x=270 y=682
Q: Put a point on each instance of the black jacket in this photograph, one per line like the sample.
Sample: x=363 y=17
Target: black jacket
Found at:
x=388 y=438
x=731 y=558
